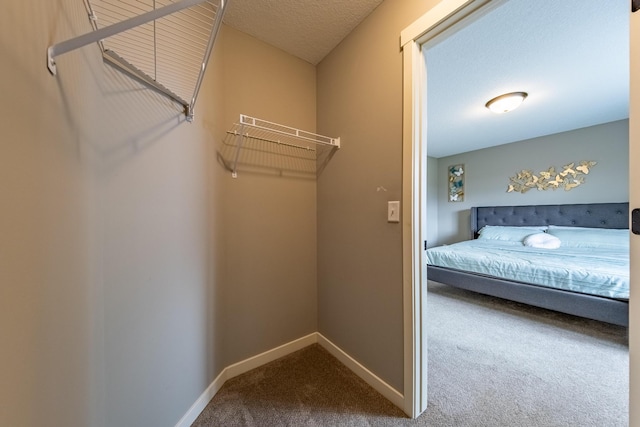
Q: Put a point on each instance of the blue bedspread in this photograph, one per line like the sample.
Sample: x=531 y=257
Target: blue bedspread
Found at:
x=586 y=270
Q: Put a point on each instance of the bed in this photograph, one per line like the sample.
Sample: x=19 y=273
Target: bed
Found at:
x=539 y=287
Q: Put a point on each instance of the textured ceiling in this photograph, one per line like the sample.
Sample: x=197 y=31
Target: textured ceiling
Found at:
x=571 y=56
x=308 y=29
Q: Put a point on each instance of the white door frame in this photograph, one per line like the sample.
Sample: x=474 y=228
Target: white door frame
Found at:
x=634 y=201
x=414 y=268
x=438 y=21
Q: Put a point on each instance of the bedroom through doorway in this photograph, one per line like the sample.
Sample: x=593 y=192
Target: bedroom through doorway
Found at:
x=450 y=223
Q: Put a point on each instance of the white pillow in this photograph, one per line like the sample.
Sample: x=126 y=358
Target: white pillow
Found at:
x=542 y=240
x=509 y=233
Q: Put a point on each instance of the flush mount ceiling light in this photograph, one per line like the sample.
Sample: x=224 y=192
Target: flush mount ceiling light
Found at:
x=506 y=102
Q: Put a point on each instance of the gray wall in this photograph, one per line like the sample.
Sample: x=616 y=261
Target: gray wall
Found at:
x=50 y=298
x=487 y=173
x=133 y=268
x=269 y=215
x=359 y=253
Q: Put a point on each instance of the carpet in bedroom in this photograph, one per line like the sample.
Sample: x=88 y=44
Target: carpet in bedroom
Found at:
x=491 y=363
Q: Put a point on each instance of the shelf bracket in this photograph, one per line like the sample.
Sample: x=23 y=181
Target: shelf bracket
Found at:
x=239 y=140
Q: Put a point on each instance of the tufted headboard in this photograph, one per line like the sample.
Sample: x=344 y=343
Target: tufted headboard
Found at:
x=597 y=215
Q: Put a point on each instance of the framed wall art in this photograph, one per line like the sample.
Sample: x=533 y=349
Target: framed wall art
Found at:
x=456 y=183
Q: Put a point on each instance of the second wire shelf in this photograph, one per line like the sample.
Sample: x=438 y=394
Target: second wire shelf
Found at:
x=261 y=143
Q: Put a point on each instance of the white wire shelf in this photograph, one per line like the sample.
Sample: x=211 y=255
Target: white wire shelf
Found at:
x=265 y=144
x=165 y=44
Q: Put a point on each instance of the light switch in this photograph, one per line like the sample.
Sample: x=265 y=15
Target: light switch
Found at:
x=393 y=211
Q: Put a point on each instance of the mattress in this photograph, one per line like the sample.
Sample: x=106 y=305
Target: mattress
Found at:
x=602 y=272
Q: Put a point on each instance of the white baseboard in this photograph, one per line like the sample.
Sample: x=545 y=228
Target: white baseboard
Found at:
x=369 y=377
x=269 y=356
x=204 y=399
x=240 y=368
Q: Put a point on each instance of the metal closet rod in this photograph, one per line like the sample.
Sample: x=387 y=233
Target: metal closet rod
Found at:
x=257 y=138
x=288 y=131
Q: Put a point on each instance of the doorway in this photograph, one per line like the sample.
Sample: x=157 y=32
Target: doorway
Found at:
x=439 y=22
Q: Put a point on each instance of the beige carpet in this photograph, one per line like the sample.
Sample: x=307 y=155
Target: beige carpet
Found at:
x=307 y=388
x=491 y=363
